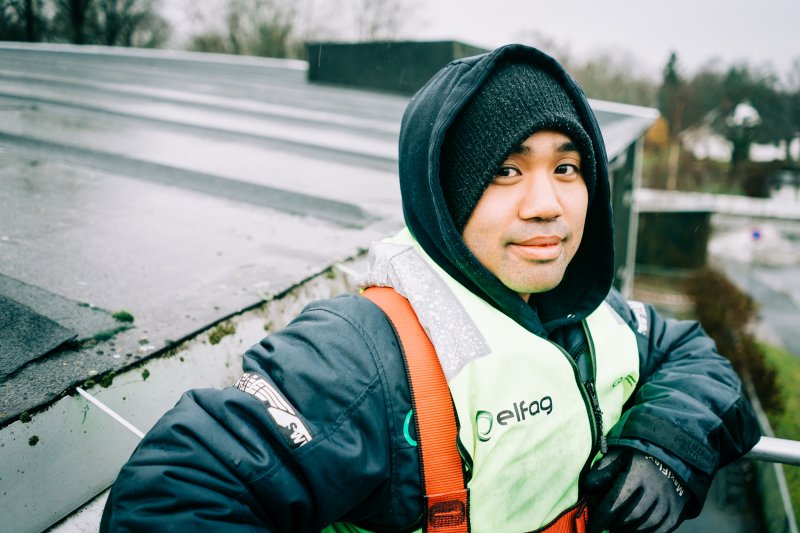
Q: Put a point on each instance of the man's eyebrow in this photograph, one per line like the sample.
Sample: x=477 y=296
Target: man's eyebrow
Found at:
x=522 y=150
x=567 y=146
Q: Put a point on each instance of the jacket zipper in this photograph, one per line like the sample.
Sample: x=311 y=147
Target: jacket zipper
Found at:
x=591 y=389
x=598 y=415
x=590 y=400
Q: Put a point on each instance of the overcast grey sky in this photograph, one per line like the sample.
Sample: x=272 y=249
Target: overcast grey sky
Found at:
x=759 y=32
x=756 y=31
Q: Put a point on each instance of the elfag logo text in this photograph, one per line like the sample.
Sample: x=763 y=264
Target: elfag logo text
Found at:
x=520 y=412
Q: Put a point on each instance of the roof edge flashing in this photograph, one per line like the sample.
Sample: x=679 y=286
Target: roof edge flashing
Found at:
x=161 y=53
x=639 y=111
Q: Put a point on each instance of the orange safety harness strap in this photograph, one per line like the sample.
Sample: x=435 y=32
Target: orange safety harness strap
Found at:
x=573 y=520
x=444 y=486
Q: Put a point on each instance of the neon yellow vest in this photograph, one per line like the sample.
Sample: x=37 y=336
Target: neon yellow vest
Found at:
x=526 y=421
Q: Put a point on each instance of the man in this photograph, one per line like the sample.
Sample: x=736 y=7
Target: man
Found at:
x=507 y=261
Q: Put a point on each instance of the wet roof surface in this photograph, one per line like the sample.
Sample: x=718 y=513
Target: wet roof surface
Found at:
x=181 y=188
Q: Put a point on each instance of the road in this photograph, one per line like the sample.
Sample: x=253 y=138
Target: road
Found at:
x=768 y=269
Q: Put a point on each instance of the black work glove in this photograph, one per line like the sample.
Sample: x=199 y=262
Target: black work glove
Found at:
x=629 y=491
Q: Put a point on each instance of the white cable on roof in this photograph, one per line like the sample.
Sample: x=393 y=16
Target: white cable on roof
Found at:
x=349 y=272
x=110 y=412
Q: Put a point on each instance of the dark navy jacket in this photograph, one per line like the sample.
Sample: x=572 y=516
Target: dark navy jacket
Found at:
x=219 y=461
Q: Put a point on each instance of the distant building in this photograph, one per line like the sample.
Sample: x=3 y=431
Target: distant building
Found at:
x=704 y=142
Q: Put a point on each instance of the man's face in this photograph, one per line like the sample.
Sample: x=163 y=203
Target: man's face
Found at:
x=528 y=224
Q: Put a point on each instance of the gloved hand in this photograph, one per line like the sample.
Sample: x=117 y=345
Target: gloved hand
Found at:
x=630 y=491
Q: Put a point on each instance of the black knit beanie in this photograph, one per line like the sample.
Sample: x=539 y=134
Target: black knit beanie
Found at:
x=517 y=100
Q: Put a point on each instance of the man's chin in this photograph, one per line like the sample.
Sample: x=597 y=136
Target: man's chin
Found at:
x=526 y=289
x=541 y=278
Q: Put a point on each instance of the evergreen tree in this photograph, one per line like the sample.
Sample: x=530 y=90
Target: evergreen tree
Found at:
x=671 y=103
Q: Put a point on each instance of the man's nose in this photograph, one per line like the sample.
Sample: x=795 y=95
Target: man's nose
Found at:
x=540 y=200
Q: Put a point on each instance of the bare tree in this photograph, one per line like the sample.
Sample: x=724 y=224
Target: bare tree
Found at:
x=21 y=20
x=381 y=19
x=613 y=75
x=208 y=33
x=130 y=23
x=73 y=21
x=793 y=76
x=672 y=103
x=279 y=28
x=251 y=27
x=616 y=76
x=548 y=45
x=109 y=22
x=261 y=27
x=319 y=20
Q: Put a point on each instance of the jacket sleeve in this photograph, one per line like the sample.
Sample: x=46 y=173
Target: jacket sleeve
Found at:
x=312 y=445
x=689 y=409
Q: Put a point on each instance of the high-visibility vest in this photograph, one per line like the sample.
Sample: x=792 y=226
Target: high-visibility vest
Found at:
x=526 y=423
x=446 y=495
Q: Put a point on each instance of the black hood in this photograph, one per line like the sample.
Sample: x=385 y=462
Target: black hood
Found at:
x=428 y=116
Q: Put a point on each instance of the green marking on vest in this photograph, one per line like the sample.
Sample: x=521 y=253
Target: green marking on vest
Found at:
x=407 y=435
x=483 y=424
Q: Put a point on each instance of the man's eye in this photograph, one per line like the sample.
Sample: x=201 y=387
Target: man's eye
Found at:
x=507 y=172
x=567 y=169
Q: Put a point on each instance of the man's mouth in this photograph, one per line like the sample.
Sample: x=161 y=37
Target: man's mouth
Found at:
x=542 y=240
x=539 y=248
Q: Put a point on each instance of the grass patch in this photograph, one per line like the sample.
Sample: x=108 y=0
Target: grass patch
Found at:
x=106 y=381
x=123 y=316
x=786 y=425
x=104 y=335
x=220 y=332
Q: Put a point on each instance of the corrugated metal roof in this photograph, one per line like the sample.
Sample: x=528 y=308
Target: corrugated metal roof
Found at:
x=178 y=188
x=181 y=187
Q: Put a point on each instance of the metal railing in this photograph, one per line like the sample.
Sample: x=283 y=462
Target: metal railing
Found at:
x=776 y=502
x=775 y=450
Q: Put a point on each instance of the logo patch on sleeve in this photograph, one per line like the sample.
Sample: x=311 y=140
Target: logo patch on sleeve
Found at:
x=293 y=429
x=640 y=311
